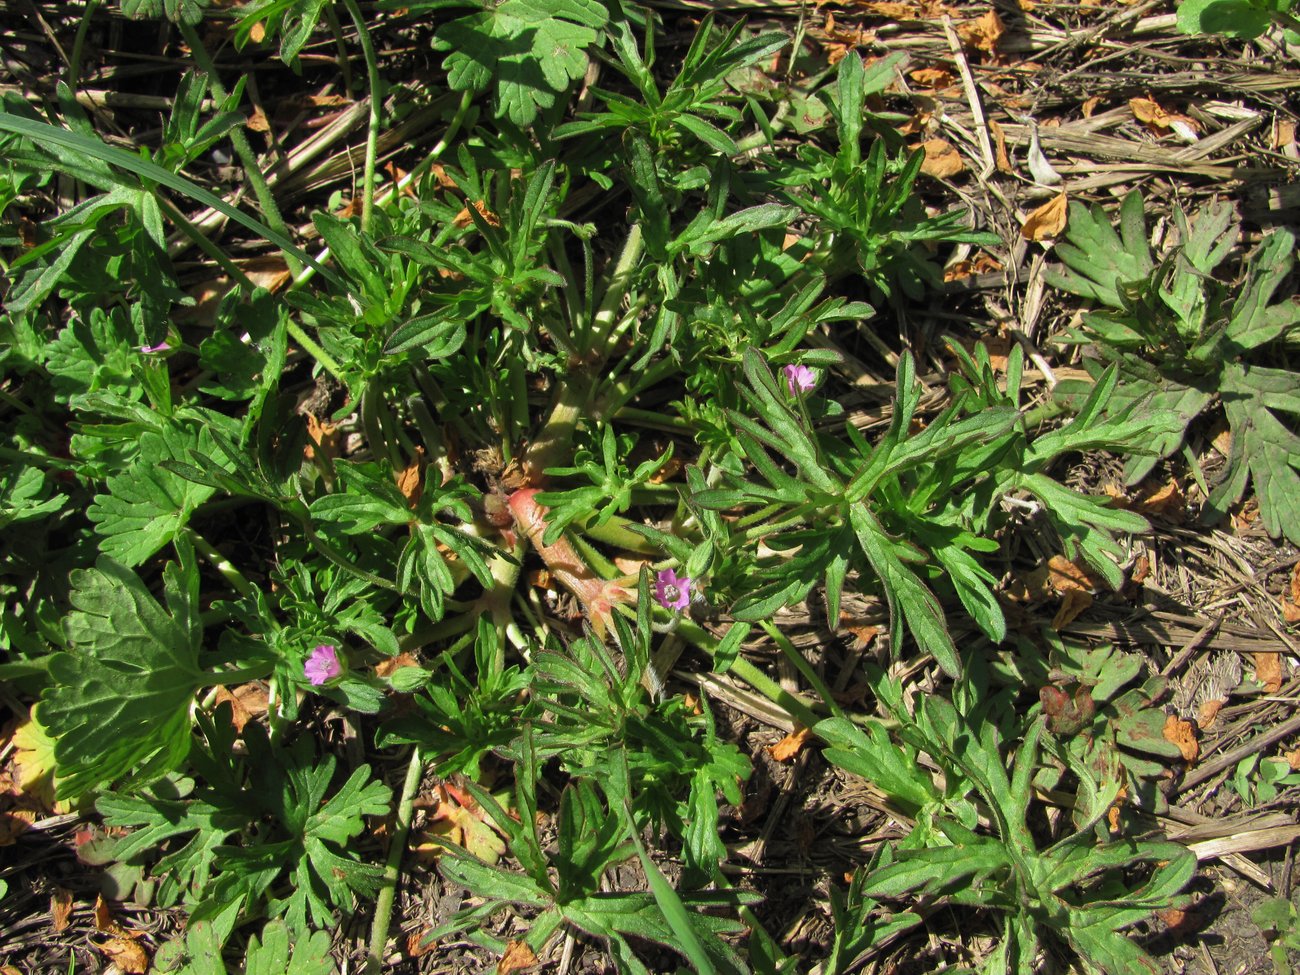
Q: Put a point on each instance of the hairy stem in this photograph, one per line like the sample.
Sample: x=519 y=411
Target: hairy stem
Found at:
x=393 y=868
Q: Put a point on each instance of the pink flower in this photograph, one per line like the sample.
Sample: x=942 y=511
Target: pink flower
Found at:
x=322 y=665
x=672 y=591
x=800 y=379
x=160 y=347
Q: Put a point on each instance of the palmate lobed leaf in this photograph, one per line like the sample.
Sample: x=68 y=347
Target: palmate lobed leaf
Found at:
x=146 y=505
x=120 y=697
x=532 y=50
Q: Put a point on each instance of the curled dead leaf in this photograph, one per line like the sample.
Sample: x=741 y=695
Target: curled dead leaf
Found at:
x=1065 y=576
x=983 y=33
x=791 y=745
x=933 y=78
x=386 y=666
x=127 y=954
x=941 y=160
x=1000 y=147
x=324 y=437
x=1268 y=670
x=1209 y=713
x=410 y=481
x=1048 y=220
x=419 y=943
x=247 y=701
x=61 y=909
x=518 y=957
x=1073 y=603
x=1183 y=734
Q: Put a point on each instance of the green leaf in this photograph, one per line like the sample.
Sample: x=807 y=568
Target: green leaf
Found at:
x=180 y=11
x=907 y=596
x=120 y=698
x=531 y=50
x=273 y=956
x=1241 y=19
x=147 y=504
x=1262 y=447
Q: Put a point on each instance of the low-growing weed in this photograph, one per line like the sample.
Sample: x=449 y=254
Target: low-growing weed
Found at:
x=554 y=417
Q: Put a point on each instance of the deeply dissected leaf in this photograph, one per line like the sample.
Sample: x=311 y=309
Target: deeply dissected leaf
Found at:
x=147 y=504
x=120 y=698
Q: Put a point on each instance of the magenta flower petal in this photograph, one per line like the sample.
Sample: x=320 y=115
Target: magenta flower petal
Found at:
x=322 y=665
x=800 y=379
x=160 y=347
x=672 y=591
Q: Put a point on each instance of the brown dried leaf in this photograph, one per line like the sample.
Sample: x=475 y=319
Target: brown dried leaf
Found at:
x=1029 y=587
x=61 y=909
x=933 y=78
x=258 y=122
x=1048 y=220
x=463 y=219
x=892 y=10
x=324 y=437
x=518 y=957
x=983 y=33
x=941 y=161
x=1090 y=106
x=257 y=33
x=1209 y=714
x=1159 y=121
x=1073 y=603
x=247 y=701
x=1000 y=147
x=15 y=822
x=386 y=666
x=1182 y=734
x=411 y=481
x=127 y=954
x=791 y=745
x=1164 y=499
x=418 y=943
x=1293 y=759
x=105 y=923
x=1065 y=576
x=1268 y=670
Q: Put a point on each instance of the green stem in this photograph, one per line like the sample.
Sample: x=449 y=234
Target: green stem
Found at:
x=79 y=43
x=310 y=346
x=798 y=708
x=803 y=666
x=607 y=316
x=232 y=575
x=252 y=170
x=393 y=868
x=376 y=111
x=345 y=63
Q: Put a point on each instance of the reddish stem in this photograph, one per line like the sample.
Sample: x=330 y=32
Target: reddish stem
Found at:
x=598 y=596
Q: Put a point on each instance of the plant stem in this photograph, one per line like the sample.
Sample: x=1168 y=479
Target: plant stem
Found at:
x=376 y=111
x=803 y=666
x=232 y=575
x=240 y=141
x=79 y=43
x=607 y=315
x=393 y=868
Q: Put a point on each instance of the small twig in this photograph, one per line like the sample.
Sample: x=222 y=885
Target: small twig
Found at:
x=973 y=98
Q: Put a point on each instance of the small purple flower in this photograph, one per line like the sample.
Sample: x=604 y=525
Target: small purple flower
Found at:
x=672 y=591
x=322 y=665
x=800 y=379
x=160 y=347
